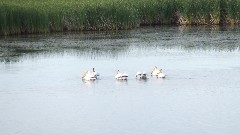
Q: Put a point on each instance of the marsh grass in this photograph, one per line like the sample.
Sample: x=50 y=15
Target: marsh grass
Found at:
x=33 y=16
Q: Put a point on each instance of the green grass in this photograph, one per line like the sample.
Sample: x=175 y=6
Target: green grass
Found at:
x=35 y=16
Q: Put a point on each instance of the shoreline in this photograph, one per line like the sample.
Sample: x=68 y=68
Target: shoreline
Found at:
x=216 y=27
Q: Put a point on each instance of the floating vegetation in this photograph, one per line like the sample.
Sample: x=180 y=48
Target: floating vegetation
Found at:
x=33 y=16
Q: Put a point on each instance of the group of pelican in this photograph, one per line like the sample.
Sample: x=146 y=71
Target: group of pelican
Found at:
x=88 y=76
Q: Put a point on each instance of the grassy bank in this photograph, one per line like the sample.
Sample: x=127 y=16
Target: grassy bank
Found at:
x=34 y=16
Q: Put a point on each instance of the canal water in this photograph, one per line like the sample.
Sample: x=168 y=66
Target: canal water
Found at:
x=41 y=90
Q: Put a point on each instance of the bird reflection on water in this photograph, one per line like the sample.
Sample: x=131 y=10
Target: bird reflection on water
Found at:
x=89 y=84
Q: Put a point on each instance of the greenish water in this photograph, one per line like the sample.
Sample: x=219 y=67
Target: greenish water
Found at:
x=41 y=91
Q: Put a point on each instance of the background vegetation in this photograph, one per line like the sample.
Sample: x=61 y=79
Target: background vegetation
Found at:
x=41 y=16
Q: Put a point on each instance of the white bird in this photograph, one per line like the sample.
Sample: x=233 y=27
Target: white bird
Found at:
x=157 y=73
x=95 y=73
x=141 y=75
x=88 y=76
x=121 y=76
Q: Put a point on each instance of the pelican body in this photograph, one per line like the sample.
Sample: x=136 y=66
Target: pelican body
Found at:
x=141 y=75
x=121 y=76
x=88 y=76
x=157 y=73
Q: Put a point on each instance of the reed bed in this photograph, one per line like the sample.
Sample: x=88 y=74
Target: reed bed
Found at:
x=34 y=16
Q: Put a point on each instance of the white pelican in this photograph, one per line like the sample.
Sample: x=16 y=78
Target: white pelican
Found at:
x=95 y=73
x=157 y=73
x=121 y=76
x=141 y=75
x=88 y=76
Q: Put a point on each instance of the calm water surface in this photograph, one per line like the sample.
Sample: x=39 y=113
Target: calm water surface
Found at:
x=41 y=91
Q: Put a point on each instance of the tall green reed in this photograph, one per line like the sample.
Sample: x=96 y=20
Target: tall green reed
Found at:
x=33 y=16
